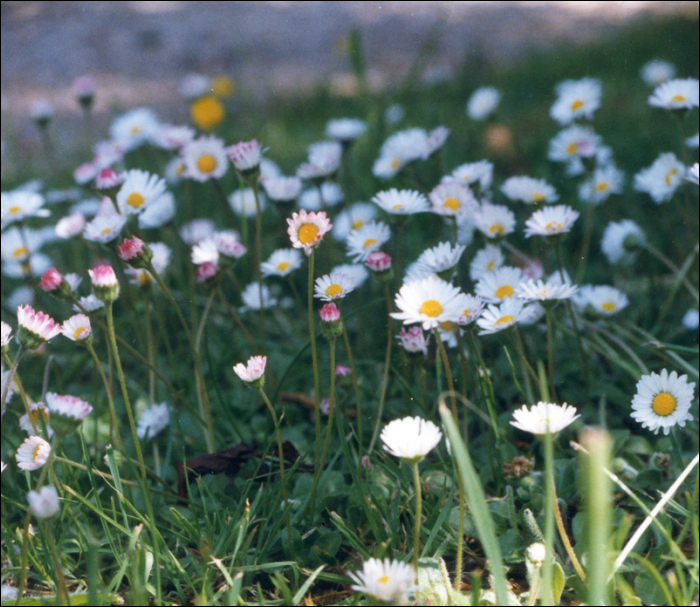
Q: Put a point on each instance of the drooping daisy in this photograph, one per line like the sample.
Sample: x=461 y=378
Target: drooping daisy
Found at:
x=606 y=180
x=576 y=99
x=500 y=284
x=662 y=178
x=410 y=438
x=544 y=417
x=494 y=220
x=498 y=318
x=474 y=307
x=104 y=228
x=551 y=221
x=388 y=581
x=243 y=202
x=205 y=158
x=70 y=225
x=429 y=301
x=573 y=143
x=331 y=194
x=254 y=298
x=66 y=412
x=44 y=503
x=357 y=272
x=621 y=241
x=345 y=130
x=159 y=212
x=680 y=94
x=33 y=453
x=480 y=173
x=413 y=340
x=153 y=420
x=306 y=230
x=6 y=333
x=435 y=140
x=35 y=328
x=656 y=72
x=529 y=190
x=483 y=102
x=77 y=328
x=18 y=205
x=353 y=218
x=281 y=263
x=452 y=199
x=254 y=371
x=333 y=286
x=324 y=160
x=398 y=150
x=488 y=259
x=139 y=190
x=663 y=401
x=401 y=202
x=368 y=239
x=441 y=257
x=245 y=156
x=134 y=128
x=602 y=299
x=538 y=290
x=282 y=189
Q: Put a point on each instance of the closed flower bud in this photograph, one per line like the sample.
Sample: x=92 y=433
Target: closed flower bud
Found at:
x=104 y=283
x=136 y=253
x=53 y=282
x=331 y=325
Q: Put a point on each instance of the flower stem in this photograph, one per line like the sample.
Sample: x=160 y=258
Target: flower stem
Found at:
x=258 y=256
x=10 y=376
x=22 y=393
x=487 y=387
x=565 y=537
x=385 y=377
x=356 y=389
x=317 y=384
x=550 y=355
x=419 y=508
x=113 y=425
x=62 y=590
x=547 y=586
x=518 y=343
x=331 y=411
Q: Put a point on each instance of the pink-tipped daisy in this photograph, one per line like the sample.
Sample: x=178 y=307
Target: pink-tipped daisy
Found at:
x=77 y=328
x=254 y=372
x=306 y=230
x=35 y=328
x=33 y=453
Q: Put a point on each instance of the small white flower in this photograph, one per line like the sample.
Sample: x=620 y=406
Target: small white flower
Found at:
x=607 y=180
x=663 y=401
x=500 y=284
x=429 y=301
x=529 y=190
x=398 y=150
x=306 y=230
x=70 y=225
x=33 y=453
x=44 y=503
x=18 y=205
x=227 y=243
x=368 y=239
x=694 y=174
x=691 y=320
x=494 y=220
x=441 y=257
x=6 y=333
x=252 y=298
x=551 y=221
x=410 y=438
x=243 y=202
x=486 y=260
x=77 y=328
x=245 y=155
x=331 y=193
x=196 y=230
x=498 y=318
x=401 y=202
x=483 y=102
x=452 y=199
x=324 y=160
x=333 y=286
x=621 y=240
x=480 y=173
x=345 y=129
x=9 y=593
x=680 y=94
x=358 y=273
x=254 y=370
x=153 y=420
x=656 y=72
x=693 y=141
x=205 y=158
x=282 y=262
x=474 y=307
x=159 y=212
x=282 y=189
x=576 y=99
x=388 y=581
x=413 y=340
x=353 y=218
x=104 y=228
x=205 y=251
x=134 y=128
x=90 y=303
x=544 y=417
x=603 y=299
x=537 y=290
x=139 y=190
x=662 y=178
x=573 y=143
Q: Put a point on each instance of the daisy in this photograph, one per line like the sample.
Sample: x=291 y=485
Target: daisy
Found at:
x=353 y=218
x=452 y=198
x=331 y=194
x=483 y=102
x=480 y=172
x=603 y=299
x=33 y=453
x=77 y=328
x=169 y=137
x=345 y=130
x=575 y=142
x=576 y=99
x=66 y=412
x=401 y=202
x=410 y=438
x=90 y=303
x=282 y=189
x=333 y=286
x=356 y=272
x=537 y=290
x=429 y=302
x=306 y=230
x=243 y=202
x=368 y=239
x=70 y=225
x=324 y=160
x=694 y=141
x=656 y=72
x=486 y=260
x=17 y=246
x=52 y=282
x=281 y=263
x=104 y=228
x=529 y=190
x=245 y=156
x=28 y=421
x=448 y=333
x=694 y=174
x=680 y=94
x=205 y=158
x=500 y=284
x=473 y=308
x=497 y=318
x=380 y=264
x=435 y=140
x=160 y=261
x=153 y=420
x=662 y=178
x=205 y=251
x=413 y=340
x=252 y=299
x=35 y=328
x=44 y=503
x=19 y=205
x=418 y=271
x=388 y=581
x=663 y=401
x=621 y=240
x=42 y=112
x=139 y=189
x=134 y=128
x=196 y=230
x=606 y=180
x=175 y=170
x=6 y=333
x=551 y=221
x=104 y=283
x=691 y=320
x=254 y=372
x=228 y=245
x=159 y=212
x=398 y=150
x=441 y=257
x=544 y=417
x=494 y=221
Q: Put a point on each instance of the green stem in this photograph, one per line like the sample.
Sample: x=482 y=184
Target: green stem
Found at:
x=150 y=351
x=10 y=376
x=672 y=267
x=385 y=376
x=565 y=537
x=547 y=590
x=550 y=355
x=419 y=508
x=356 y=389
x=258 y=256
x=676 y=448
x=22 y=393
x=331 y=411
x=62 y=590
x=113 y=425
x=518 y=343
x=487 y=384
x=586 y=246
x=317 y=383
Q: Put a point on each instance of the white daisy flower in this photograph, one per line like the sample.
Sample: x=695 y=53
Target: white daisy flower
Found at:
x=269 y=169
x=494 y=221
x=483 y=102
x=486 y=260
x=18 y=205
x=429 y=301
x=452 y=199
x=621 y=240
x=282 y=189
x=435 y=140
x=448 y=333
x=253 y=371
x=410 y=438
x=44 y=503
x=104 y=228
x=252 y=299
x=282 y=263
x=170 y=137
x=480 y=172
x=331 y=193
x=324 y=160
x=368 y=239
x=205 y=158
x=153 y=420
x=499 y=284
x=306 y=230
x=245 y=156
x=175 y=170
x=662 y=178
x=70 y=225
x=196 y=230
x=529 y=190
x=398 y=150
x=537 y=290
x=401 y=202
x=551 y=221
x=694 y=174
x=691 y=320
x=194 y=85
x=89 y=303
x=418 y=271
x=33 y=453
x=602 y=299
x=607 y=180
x=656 y=72
x=357 y=272
x=694 y=141
x=205 y=251
x=333 y=286
x=680 y=94
x=663 y=401
x=498 y=318
x=139 y=190
x=134 y=128
x=441 y=257
x=17 y=246
x=6 y=332
x=77 y=328
x=345 y=129
x=388 y=581
x=36 y=410
x=576 y=99
x=242 y=202
x=544 y=417
x=228 y=244
x=474 y=307
x=158 y=213
x=573 y=143
x=353 y=218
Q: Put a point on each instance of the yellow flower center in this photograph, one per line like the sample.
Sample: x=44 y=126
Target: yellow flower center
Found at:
x=467 y=312
x=394 y=163
x=537 y=197
x=497 y=228
x=369 y=242
x=678 y=98
x=452 y=204
x=670 y=174
x=36 y=452
x=19 y=252
x=207 y=112
x=135 y=130
x=78 y=332
x=307 y=233
x=283 y=265
x=135 y=200
x=396 y=207
x=571 y=148
x=663 y=404
x=577 y=105
x=602 y=186
x=447 y=325
x=14 y=210
x=334 y=290
x=144 y=278
x=206 y=163
x=504 y=320
x=466 y=178
x=357 y=224
x=490 y=264
x=384 y=579
x=553 y=226
x=608 y=306
x=504 y=291
x=431 y=308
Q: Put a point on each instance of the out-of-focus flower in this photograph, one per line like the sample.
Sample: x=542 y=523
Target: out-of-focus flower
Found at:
x=662 y=178
x=70 y=225
x=35 y=328
x=153 y=420
x=18 y=205
x=529 y=190
x=576 y=99
x=281 y=263
x=551 y=221
x=452 y=199
x=621 y=240
x=413 y=340
x=388 y=581
x=205 y=158
x=442 y=257
x=480 y=173
x=367 y=239
x=44 y=503
x=483 y=102
x=606 y=180
x=680 y=94
x=494 y=220
x=134 y=128
x=207 y=112
x=656 y=72
x=401 y=202
x=104 y=228
x=486 y=260
x=242 y=202
x=691 y=320
x=254 y=373
x=245 y=156
x=159 y=212
x=694 y=174
x=330 y=195
x=255 y=298
x=603 y=300
x=282 y=189
x=498 y=318
x=502 y=283
x=333 y=286
x=353 y=218
x=345 y=130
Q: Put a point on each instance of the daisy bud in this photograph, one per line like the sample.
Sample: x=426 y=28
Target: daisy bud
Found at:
x=414 y=342
x=42 y=113
x=246 y=158
x=380 y=265
x=104 y=283
x=66 y=412
x=536 y=554
x=206 y=271
x=35 y=328
x=52 y=282
x=6 y=334
x=343 y=375
x=77 y=328
x=331 y=325
x=44 y=503
x=33 y=453
x=108 y=182
x=136 y=253
x=84 y=89
x=254 y=374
